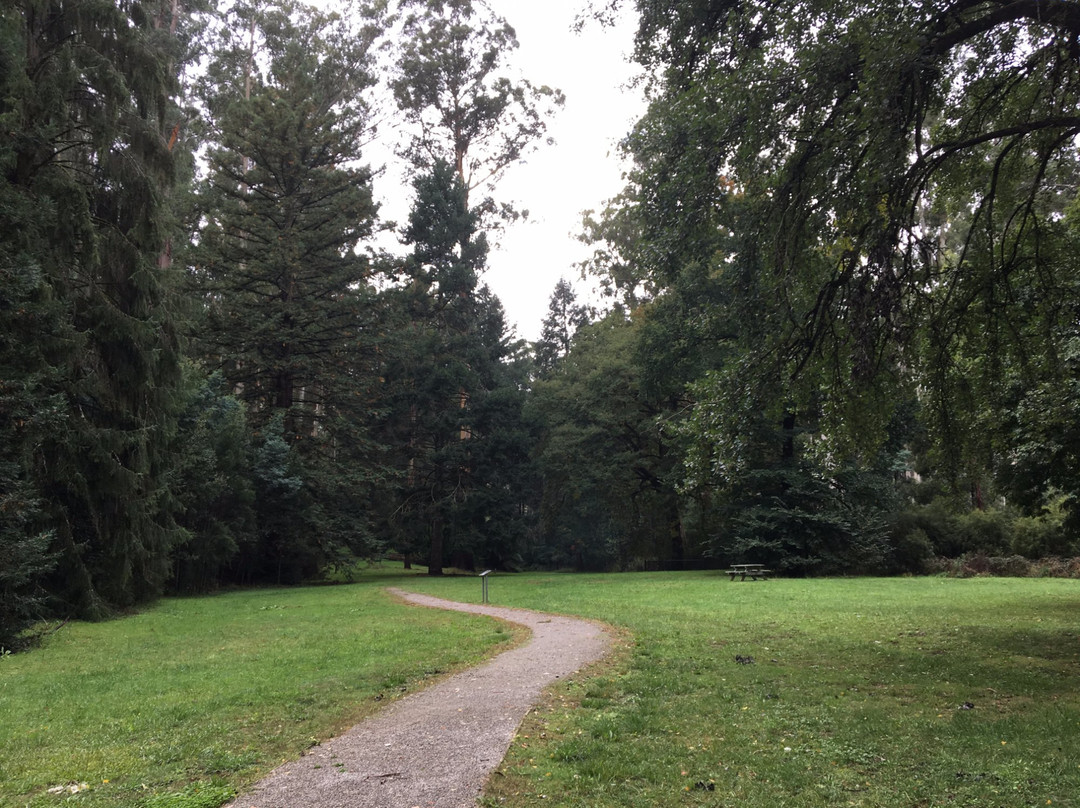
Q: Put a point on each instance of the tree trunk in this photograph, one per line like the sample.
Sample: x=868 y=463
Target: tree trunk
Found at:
x=789 y=436
x=435 y=560
x=675 y=530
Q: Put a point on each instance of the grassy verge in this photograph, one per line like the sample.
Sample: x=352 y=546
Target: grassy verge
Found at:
x=182 y=705
x=901 y=692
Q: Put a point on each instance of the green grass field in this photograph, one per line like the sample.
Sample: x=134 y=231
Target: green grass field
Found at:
x=181 y=705
x=857 y=696
x=861 y=692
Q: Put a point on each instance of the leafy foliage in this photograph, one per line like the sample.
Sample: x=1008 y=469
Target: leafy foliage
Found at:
x=610 y=465
x=872 y=204
x=854 y=140
x=450 y=87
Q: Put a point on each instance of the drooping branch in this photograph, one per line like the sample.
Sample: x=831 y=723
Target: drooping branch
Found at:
x=1062 y=14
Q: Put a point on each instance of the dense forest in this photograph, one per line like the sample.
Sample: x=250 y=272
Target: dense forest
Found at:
x=841 y=330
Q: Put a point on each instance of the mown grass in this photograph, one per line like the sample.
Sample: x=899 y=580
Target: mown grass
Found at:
x=182 y=705
x=901 y=692
x=865 y=692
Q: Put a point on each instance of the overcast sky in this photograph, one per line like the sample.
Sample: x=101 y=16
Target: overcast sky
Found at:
x=558 y=182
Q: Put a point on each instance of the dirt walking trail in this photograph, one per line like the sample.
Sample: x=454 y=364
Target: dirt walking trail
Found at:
x=436 y=748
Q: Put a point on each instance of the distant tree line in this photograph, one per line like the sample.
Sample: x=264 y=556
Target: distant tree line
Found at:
x=841 y=329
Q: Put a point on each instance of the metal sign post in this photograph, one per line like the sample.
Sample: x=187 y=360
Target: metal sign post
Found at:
x=483 y=585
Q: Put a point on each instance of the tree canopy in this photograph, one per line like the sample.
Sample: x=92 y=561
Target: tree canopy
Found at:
x=906 y=163
x=451 y=84
x=885 y=190
x=841 y=331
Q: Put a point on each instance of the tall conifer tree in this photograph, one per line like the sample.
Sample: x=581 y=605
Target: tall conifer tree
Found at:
x=287 y=295
x=87 y=93
x=435 y=375
x=455 y=388
x=565 y=316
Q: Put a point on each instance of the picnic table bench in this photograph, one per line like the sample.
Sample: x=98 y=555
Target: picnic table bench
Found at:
x=755 y=571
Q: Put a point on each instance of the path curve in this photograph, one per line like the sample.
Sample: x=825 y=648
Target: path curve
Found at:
x=437 y=747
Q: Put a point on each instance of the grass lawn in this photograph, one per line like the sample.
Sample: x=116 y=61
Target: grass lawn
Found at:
x=861 y=692
x=181 y=705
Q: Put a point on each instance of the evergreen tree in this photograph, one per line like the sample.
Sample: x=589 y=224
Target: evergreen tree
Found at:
x=29 y=411
x=492 y=522
x=282 y=508
x=563 y=319
x=284 y=208
x=435 y=378
x=214 y=484
x=455 y=388
x=87 y=106
x=288 y=296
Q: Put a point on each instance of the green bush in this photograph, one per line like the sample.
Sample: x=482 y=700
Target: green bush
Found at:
x=1043 y=536
x=936 y=522
x=986 y=531
x=911 y=549
x=1014 y=566
x=995 y=532
x=972 y=565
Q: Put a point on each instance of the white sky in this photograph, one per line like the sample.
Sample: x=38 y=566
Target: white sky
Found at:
x=556 y=183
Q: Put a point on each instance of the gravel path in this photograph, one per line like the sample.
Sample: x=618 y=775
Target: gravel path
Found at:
x=436 y=748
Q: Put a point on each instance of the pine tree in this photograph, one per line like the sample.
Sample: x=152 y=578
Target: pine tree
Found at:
x=455 y=391
x=433 y=377
x=491 y=523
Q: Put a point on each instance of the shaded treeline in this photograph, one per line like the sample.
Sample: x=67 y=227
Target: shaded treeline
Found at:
x=841 y=332
x=846 y=260
x=209 y=374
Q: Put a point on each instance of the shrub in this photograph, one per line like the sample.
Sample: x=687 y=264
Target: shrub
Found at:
x=936 y=522
x=910 y=550
x=997 y=532
x=1015 y=566
x=1042 y=536
x=986 y=531
x=1054 y=567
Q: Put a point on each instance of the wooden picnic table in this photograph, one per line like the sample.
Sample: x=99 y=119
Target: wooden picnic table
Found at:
x=754 y=571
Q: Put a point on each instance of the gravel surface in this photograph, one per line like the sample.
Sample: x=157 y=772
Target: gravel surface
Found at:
x=436 y=748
